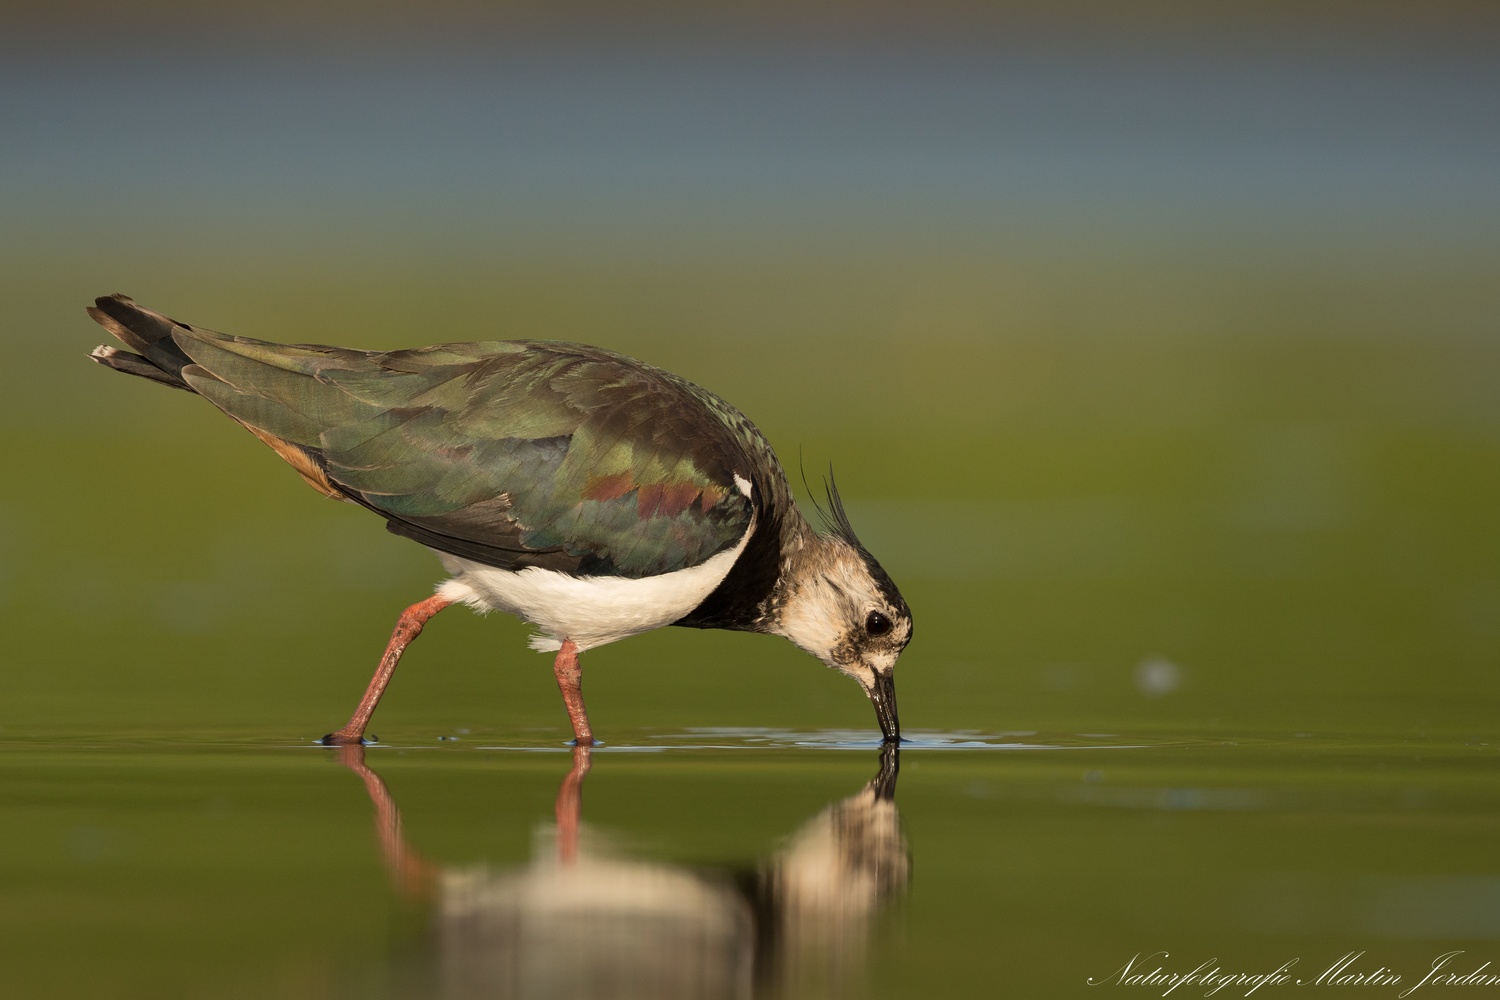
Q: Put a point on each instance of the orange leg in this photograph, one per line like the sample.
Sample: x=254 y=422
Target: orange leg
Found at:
x=408 y=627
x=570 y=683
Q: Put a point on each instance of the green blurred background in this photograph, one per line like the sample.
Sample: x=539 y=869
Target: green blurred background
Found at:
x=1155 y=348
x=1155 y=351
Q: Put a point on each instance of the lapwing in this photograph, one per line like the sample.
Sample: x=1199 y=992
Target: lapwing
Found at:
x=590 y=494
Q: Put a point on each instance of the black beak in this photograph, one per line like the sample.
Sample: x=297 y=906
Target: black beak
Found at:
x=883 y=695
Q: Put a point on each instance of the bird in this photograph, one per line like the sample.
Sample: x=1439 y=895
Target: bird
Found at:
x=591 y=495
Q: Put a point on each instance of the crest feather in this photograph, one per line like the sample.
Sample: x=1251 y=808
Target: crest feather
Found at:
x=834 y=521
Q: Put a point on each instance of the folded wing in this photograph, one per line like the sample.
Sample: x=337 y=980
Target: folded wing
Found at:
x=514 y=454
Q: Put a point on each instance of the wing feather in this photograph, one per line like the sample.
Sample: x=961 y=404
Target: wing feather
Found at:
x=513 y=453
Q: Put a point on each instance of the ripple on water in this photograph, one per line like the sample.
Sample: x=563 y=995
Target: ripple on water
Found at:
x=756 y=738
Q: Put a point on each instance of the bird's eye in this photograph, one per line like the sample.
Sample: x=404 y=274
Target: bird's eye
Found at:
x=877 y=623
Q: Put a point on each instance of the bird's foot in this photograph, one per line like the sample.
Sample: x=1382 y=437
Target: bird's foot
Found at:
x=347 y=739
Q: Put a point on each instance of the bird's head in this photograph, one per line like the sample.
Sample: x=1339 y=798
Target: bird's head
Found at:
x=840 y=606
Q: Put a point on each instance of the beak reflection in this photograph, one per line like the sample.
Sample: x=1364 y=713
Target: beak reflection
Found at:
x=580 y=919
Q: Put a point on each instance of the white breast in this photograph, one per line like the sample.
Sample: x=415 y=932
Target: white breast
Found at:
x=590 y=610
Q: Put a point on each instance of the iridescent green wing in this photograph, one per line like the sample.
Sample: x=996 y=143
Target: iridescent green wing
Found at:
x=514 y=454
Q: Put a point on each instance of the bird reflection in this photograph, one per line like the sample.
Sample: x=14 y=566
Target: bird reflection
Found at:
x=579 y=921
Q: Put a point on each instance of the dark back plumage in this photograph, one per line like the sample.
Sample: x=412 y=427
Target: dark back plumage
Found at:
x=509 y=453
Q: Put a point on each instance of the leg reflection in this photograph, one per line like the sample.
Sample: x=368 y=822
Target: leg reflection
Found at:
x=569 y=808
x=412 y=875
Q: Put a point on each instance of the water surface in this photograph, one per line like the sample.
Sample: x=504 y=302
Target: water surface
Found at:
x=736 y=863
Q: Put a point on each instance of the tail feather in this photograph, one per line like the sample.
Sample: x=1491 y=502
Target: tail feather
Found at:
x=162 y=359
x=145 y=331
x=134 y=364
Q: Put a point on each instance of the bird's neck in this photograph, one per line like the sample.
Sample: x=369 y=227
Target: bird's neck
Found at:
x=806 y=560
